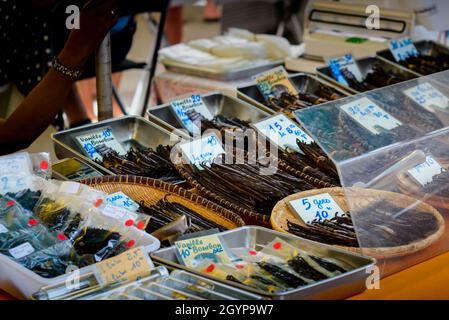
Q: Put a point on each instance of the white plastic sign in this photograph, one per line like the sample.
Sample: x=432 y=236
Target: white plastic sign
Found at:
x=402 y=49
x=21 y=251
x=202 y=150
x=118 y=213
x=424 y=172
x=345 y=62
x=320 y=207
x=120 y=199
x=195 y=103
x=3 y=229
x=69 y=187
x=16 y=163
x=427 y=96
x=282 y=131
x=370 y=115
x=101 y=136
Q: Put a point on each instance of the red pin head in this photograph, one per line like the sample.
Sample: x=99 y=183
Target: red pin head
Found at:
x=130 y=243
x=252 y=252
x=61 y=237
x=10 y=203
x=210 y=268
x=277 y=246
x=43 y=165
x=239 y=266
x=129 y=223
x=141 y=225
x=32 y=222
x=99 y=202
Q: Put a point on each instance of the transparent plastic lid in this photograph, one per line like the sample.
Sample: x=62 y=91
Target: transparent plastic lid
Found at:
x=391 y=149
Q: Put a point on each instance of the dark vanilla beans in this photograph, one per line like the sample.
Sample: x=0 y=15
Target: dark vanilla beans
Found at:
x=427 y=64
x=150 y=163
x=439 y=185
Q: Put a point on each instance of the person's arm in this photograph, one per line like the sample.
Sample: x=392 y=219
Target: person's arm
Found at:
x=40 y=107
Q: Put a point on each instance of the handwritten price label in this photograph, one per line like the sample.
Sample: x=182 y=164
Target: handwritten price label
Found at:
x=15 y=183
x=127 y=267
x=202 y=150
x=21 y=251
x=402 y=49
x=282 y=131
x=105 y=136
x=193 y=251
x=370 y=115
x=195 y=103
x=273 y=82
x=17 y=163
x=345 y=62
x=320 y=207
x=118 y=213
x=427 y=96
x=120 y=199
x=424 y=172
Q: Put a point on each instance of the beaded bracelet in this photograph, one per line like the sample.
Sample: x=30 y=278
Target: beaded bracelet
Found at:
x=75 y=74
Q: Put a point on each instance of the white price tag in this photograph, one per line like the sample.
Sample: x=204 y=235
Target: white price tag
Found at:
x=320 y=207
x=427 y=96
x=14 y=183
x=402 y=49
x=21 y=251
x=202 y=150
x=69 y=187
x=195 y=103
x=90 y=194
x=370 y=115
x=16 y=163
x=424 y=172
x=118 y=213
x=282 y=131
x=345 y=62
x=101 y=136
x=120 y=199
x=3 y=229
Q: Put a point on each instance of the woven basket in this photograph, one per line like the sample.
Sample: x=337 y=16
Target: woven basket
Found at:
x=408 y=186
x=151 y=191
x=282 y=212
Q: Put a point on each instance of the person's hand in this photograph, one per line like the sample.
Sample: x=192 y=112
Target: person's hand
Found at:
x=96 y=19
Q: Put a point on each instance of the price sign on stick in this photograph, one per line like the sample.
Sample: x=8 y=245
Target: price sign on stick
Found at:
x=129 y=266
x=370 y=115
x=424 y=172
x=320 y=207
x=273 y=82
x=427 y=96
x=345 y=62
x=202 y=150
x=103 y=136
x=282 y=131
x=402 y=49
x=194 y=103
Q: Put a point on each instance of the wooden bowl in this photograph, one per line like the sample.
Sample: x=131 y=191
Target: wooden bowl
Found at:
x=282 y=213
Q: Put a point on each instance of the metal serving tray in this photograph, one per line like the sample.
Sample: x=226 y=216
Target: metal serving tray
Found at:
x=424 y=47
x=221 y=76
x=252 y=237
x=129 y=131
x=217 y=103
x=302 y=81
x=365 y=65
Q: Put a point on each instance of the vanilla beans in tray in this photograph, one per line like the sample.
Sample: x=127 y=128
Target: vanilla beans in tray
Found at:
x=427 y=64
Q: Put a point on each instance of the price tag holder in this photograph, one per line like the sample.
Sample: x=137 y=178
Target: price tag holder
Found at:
x=129 y=266
x=424 y=172
x=16 y=163
x=402 y=49
x=370 y=115
x=282 y=131
x=320 y=207
x=21 y=251
x=273 y=82
x=427 y=96
x=195 y=103
x=202 y=150
x=90 y=141
x=192 y=251
x=121 y=200
x=345 y=62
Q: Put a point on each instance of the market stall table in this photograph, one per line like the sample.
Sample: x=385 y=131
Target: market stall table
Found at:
x=427 y=280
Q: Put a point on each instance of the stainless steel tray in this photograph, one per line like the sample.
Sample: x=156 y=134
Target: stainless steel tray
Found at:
x=424 y=47
x=252 y=237
x=365 y=65
x=217 y=103
x=222 y=76
x=129 y=131
x=302 y=81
